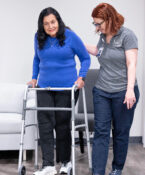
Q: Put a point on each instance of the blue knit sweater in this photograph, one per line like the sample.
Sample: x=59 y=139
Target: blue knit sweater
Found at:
x=55 y=66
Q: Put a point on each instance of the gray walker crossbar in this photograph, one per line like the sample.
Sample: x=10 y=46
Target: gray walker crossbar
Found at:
x=21 y=168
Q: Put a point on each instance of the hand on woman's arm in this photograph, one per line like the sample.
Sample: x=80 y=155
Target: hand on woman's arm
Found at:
x=91 y=49
x=131 y=60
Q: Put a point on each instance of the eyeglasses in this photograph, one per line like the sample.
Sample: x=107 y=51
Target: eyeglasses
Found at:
x=98 y=24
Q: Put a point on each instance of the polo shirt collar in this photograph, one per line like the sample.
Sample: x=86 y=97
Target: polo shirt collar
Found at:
x=118 y=33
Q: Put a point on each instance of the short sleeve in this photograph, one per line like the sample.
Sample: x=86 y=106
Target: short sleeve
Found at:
x=130 y=41
x=99 y=43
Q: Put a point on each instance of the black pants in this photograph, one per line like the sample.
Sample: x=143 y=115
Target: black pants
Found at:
x=58 y=120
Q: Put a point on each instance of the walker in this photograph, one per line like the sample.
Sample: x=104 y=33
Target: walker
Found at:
x=21 y=167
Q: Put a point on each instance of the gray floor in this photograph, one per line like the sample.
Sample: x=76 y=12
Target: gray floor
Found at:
x=135 y=163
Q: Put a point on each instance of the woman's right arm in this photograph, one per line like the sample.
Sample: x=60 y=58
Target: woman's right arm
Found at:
x=36 y=62
x=92 y=49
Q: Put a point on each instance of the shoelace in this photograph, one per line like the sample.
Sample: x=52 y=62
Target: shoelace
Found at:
x=64 y=164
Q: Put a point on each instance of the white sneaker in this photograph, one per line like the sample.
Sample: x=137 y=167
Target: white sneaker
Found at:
x=65 y=168
x=48 y=170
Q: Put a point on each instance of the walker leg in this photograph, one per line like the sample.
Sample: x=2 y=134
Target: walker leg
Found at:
x=87 y=129
x=73 y=132
x=36 y=136
x=73 y=153
x=21 y=169
x=89 y=150
x=36 y=149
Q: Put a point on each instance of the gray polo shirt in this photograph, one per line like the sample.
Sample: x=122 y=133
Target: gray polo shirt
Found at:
x=112 y=75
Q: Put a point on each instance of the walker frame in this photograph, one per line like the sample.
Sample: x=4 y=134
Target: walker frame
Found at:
x=21 y=168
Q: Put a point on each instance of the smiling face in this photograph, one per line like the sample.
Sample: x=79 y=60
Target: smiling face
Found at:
x=50 y=25
x=100 y=25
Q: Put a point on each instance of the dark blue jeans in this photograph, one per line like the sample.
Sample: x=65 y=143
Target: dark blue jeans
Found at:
x=109 y=108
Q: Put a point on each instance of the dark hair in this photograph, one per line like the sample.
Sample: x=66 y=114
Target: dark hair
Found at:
x=41 y=34
x=109 y=14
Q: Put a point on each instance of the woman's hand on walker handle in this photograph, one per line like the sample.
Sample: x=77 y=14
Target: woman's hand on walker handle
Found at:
x=80 y=82
x=129 y=98
x=33 y=82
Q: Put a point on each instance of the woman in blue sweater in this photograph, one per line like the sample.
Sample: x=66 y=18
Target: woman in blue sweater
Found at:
x=54 y=66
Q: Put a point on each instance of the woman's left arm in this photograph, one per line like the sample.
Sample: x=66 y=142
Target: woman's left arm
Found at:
x=131 y=61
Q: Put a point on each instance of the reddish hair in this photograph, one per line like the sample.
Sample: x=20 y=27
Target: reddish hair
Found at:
x=108 y=13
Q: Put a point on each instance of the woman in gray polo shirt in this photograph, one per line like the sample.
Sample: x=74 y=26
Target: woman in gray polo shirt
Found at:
x=116 y=92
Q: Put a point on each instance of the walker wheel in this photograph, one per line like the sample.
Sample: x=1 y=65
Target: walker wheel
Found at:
x=22 y=170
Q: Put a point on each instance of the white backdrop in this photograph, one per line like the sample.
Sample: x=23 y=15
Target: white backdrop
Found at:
x=18 y=24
